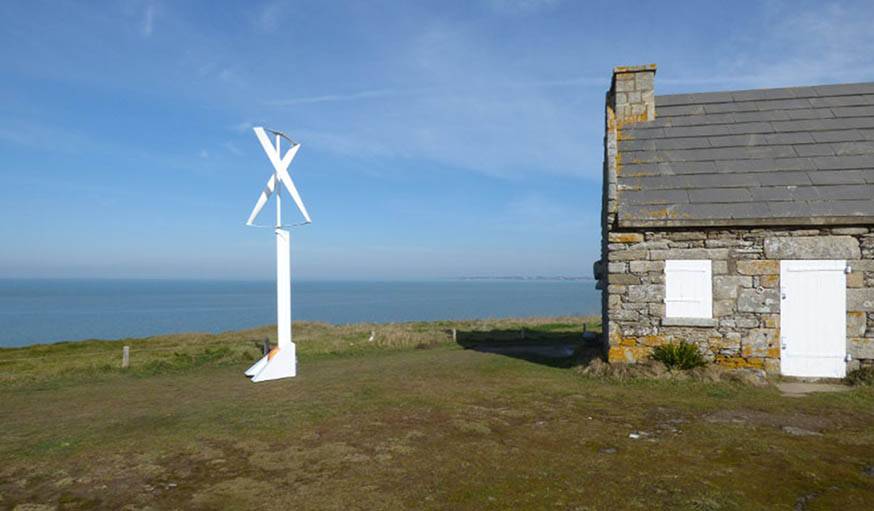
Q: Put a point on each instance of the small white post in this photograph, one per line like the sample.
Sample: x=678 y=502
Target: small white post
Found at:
x=125 y=357
x=454 y=335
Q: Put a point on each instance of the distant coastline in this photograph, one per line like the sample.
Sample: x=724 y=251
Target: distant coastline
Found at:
x=529 y=277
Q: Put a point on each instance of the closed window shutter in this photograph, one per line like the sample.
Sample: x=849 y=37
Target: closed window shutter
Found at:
x=688 y=289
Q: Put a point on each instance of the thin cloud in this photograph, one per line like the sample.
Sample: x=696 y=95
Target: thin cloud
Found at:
x=148 y=20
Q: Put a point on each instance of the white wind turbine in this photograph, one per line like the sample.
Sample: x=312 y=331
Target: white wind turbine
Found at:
x=281 y=362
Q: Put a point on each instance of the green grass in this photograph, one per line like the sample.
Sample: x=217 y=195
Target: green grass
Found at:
x=411 y=421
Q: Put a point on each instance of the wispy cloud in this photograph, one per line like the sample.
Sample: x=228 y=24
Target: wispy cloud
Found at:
x=148 y=19
x=523 y=6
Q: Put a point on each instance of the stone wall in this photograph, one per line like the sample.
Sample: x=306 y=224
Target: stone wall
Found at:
x=745 y=329
x=631 y=98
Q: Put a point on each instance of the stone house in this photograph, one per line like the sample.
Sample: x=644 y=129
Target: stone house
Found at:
x=740 y=221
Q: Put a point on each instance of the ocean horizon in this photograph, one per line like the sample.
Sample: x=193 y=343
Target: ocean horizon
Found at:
x=34 y=311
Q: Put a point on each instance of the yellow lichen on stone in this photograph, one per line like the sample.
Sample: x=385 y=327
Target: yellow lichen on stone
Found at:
x=625 y=237
x=740 y=362
x=653 y=340
x=758 y=267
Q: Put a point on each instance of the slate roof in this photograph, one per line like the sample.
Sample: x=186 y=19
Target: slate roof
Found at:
x=792 y=156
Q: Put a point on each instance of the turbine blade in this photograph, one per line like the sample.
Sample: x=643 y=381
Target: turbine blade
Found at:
x=292 y=190
x=262 y=200
x=267 y=145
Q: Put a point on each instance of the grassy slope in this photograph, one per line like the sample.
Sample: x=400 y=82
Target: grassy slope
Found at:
x=390 y=426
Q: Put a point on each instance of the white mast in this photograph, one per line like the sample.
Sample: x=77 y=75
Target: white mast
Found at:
x=281 y=362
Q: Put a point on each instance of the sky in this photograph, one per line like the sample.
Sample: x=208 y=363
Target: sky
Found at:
x=438 y=139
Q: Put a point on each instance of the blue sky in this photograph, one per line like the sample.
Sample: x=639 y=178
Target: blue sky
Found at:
x=439 y=139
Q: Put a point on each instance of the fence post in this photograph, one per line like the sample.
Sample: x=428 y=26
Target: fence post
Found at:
x=125 y=357
x=454 y=335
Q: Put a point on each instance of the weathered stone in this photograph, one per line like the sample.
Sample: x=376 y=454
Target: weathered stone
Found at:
x=657 y=310
x=719 y=267
x=646 y=266
x=623 y=279
x=757 y=342
x=625 y=237
x=746 y=322
x=627 y=255
x=722 y=308
x=726 y=286
x=764 y=302
x=861 y=347
x=769 y=280
x=850 y=230
x=689 y=253
x=857 y=322
x=758 y=267
x=646 y=293
x=860 y=299
x=614 y=301
x=813 y=247
x=771 y=320
x=855 y=279
x=617 y=267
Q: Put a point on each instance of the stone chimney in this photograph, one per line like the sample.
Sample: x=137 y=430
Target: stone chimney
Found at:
x=631 y=99
x=632 y=94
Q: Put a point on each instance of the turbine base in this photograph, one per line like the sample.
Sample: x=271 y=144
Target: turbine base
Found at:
x=279 y=363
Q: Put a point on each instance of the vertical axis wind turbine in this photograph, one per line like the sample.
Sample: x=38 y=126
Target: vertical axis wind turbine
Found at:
x=281 y=362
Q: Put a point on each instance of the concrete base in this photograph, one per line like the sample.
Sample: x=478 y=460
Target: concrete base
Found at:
x=279 y=363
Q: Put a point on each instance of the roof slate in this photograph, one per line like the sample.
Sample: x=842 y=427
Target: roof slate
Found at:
x=794 y=156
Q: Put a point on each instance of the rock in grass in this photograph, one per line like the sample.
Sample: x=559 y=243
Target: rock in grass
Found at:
x=796 y=431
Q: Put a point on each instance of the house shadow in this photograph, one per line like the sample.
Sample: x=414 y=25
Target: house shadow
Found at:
x=554 y=349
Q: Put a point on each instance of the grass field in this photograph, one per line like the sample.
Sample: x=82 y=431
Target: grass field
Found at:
x=410 y=420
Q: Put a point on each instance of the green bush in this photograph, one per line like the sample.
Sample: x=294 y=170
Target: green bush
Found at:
x=863 y=376
x=684 y=355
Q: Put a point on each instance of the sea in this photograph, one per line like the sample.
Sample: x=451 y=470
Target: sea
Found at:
x=34 y=311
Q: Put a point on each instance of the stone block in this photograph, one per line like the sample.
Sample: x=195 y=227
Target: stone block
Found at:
x=614 y=301
x=813 y=247
x=624 y=237
x=646 y=266
x=857 y=323
x=757 y=342
x=617 y=267
x=769 y=280
x=623 y=279
x=856 y=279
x=764 y=302
x=746 y=322
x=861 y=347
x=772 y=365
x=627 y=255
x=726 y=287
x=722 y=308
x=646 y=293
x=689 y=253
x=860 y=299
x=758 y=267
x=850 y=230
x=657 y=310
x=771 y=320
x=719 y=267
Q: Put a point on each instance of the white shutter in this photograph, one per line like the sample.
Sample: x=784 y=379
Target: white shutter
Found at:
x=688 y=289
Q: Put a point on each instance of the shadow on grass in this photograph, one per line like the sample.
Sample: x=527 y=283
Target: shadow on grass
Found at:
x=554 y=349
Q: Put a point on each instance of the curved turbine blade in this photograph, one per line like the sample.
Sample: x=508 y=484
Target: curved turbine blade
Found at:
x=262 y=200
x=292 y=190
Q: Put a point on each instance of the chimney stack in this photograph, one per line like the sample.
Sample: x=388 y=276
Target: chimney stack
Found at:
x=632 y=94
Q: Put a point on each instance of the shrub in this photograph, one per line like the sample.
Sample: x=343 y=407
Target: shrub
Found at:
x=863 y=376
x=684 y=355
